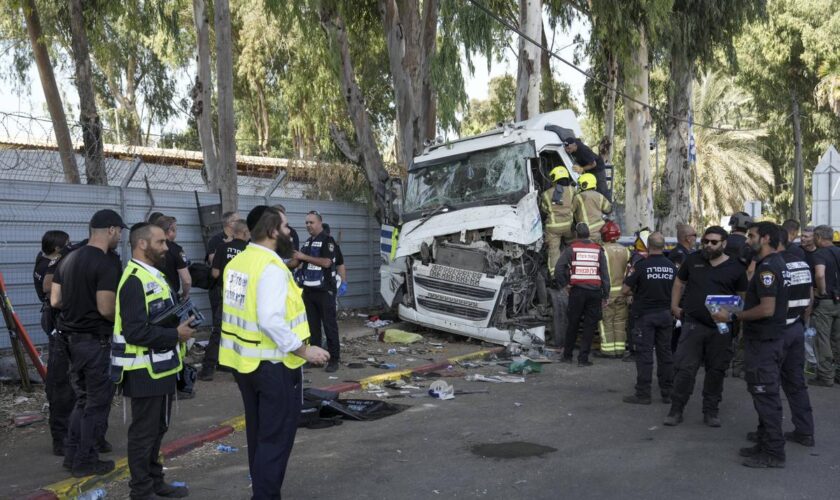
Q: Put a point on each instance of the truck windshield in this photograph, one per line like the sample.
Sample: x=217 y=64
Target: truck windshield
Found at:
x=482 y=176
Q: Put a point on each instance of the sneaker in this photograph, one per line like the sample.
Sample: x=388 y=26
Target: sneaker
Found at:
x=98 y=468
x=636 y=400
x=585 y=362
x=821 y=382
x=186 y=395
x=750 y=451
x=167 y=490
x=332 y=366
x=764 y=461
x=206 y=373
x=674 y=418
x=629 y=357
x=802 y=439
x=104 y=446
x=711 y=420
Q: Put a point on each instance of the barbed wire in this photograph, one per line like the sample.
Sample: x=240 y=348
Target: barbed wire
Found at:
x=29 y=152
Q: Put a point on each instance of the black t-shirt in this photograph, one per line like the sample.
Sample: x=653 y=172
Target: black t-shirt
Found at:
x=214 y=243
x=81 y=274
x=339 y=257
x=226 y=252
x=809 y=258
x=295 y=238
x=796 y=250
x=828 y=257
x=703 y=279
x=327 y=247
x=43 y=267
x=679 y=253
x=585 y=156
x=175 y=260
x=768 y=281
x=736 y=246
x=651 y=280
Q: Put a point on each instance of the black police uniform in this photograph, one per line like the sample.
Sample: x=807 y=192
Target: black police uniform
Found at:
x=679 y=254
x=319 y=293
x=81 y=274
x=224 y=254
x=651 y=280
x=151 y=399
x=700 y=341
x=764 y=351
x=60 y=393
x=175 y=259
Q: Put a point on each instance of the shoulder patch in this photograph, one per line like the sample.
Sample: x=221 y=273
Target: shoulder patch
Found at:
x=767 y=278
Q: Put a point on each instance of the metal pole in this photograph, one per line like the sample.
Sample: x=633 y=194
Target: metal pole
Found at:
x=125 y=253
x=373 y=258
x=274 y=185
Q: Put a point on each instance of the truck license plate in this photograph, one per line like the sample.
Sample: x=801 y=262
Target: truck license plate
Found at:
x=455 y=275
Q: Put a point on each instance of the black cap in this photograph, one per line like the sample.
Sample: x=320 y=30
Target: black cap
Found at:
x=106 y=218
x=568 y=141
x=254 y=216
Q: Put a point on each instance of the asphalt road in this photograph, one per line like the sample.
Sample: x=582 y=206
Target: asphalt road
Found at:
x=604 y=448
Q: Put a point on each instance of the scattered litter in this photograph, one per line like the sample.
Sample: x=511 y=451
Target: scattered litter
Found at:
x=395 y=336
x=653 y=428
x=395 y=384
x=96 y=494
x=524 y=366
x=409 y=360
x=379 y=323
x=21 y=399
x=387 y=366
x=517 y=404
x=333 y=378
x=27 y=418
x=441 y=390
x=355 y=365
x=179 y=484
x=521 y=481
x=436 y=344
x=495 y=379
x=480 y=391
x=470 y=364
x=226 y=449
x=392 y=351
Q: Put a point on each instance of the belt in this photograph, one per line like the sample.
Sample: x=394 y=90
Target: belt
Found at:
x=79 y=337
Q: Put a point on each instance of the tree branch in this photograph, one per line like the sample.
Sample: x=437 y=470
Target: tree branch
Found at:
x=340 y=140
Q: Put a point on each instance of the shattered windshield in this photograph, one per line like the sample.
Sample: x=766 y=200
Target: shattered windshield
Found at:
x=483 y=176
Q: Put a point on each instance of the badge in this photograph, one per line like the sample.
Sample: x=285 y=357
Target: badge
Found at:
x=152 y=287
x=767 y=278
x=332 y=247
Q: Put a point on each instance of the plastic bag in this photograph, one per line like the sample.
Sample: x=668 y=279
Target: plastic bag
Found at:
x=810 y=352
x=401 y=337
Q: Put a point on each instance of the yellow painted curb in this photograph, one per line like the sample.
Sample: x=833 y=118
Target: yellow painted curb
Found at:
x=238 y=423
x=73 y=487
x=399 y=374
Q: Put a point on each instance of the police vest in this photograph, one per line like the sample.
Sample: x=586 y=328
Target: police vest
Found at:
x=125 y=356
x=586 y=265
x=558 y=209
x=311 y=276
x=797 y=276
x=243 y=345
x=617 y=258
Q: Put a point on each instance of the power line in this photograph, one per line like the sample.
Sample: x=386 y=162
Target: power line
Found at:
x=595 y=79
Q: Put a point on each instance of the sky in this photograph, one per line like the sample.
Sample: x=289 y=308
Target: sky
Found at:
x=31 y=101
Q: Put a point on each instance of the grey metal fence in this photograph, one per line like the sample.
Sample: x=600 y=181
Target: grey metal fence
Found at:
x=28 y=209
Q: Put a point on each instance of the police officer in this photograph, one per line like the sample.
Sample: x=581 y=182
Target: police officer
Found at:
x=708 y=272
x=763 y=319
x=57 y=385
x=176 y=266
x=614 y=325
x=736 y=242
x=263 y=332
x=686 y=239
x=316 y=274
x=800 y=297
x=224 y=253
x=582 y=270
x=589 y=206
x=826 y=317
x=638 y=253
x=84 y=289
x=556 y=205
x=791 y=228
x=650 y=281
x=146 y=356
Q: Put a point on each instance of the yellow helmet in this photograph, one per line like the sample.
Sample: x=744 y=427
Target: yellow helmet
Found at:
x=558 y=173
x=587 y=182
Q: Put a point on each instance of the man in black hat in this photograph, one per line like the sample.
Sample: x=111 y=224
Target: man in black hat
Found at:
x=84 y=289
x=589 y=162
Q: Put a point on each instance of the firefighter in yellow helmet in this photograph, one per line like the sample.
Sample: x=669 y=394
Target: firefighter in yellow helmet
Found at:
x=614 y=324
x=556 y=205
x=589 y=206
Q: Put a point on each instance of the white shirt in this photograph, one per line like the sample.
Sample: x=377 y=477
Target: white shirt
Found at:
x=272 y=288
x=153 y=270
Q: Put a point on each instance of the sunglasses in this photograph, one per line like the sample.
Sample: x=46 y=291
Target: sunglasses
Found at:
x=707 y=241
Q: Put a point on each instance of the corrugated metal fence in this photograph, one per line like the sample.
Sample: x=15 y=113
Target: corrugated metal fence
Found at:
x=28 y=209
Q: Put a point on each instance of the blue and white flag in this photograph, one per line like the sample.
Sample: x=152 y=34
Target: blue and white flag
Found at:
x=692 y=145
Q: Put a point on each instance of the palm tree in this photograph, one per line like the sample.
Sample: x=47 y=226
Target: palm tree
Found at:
x=730 y=169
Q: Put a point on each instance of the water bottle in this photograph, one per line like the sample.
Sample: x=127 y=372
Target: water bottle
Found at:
x=723 y=328
x=96 y=494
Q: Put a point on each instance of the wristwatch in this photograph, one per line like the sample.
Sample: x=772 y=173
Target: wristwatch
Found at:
x=732 y=317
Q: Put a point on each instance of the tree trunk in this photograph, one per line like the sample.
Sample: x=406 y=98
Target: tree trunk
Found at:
x=799 y=212
x=51 y=94
x=638 y=195
x=367 y=152
x=608 y=142
x=528 y=73
x=548 y=101
x=91 y=124
x=677 y=178
x=227 y=124
x=428 y=102
x=202 y=96
x=263 y=124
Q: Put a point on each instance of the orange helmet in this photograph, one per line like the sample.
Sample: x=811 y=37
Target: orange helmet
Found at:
x=610 y=231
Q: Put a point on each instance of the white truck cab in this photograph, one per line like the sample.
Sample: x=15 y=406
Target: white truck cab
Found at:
x=464 y=253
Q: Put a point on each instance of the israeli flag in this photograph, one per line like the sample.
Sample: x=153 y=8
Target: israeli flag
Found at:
x=692 y=145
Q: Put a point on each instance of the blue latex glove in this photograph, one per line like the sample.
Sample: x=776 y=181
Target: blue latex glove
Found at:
x=342 y=289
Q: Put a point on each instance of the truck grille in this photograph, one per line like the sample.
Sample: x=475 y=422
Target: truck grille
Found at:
x=455 y=288
x=453 y=309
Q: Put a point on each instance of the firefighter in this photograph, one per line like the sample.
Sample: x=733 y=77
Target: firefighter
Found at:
x=589 y=206
x=613 y=326
x=556 y=204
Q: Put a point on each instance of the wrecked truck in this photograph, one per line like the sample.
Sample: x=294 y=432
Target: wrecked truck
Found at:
x=463 y=245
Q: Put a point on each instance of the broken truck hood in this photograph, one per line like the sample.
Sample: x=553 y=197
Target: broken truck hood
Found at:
x=518 y=223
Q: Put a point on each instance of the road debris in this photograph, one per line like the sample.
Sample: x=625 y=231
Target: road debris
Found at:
x=495 y=379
